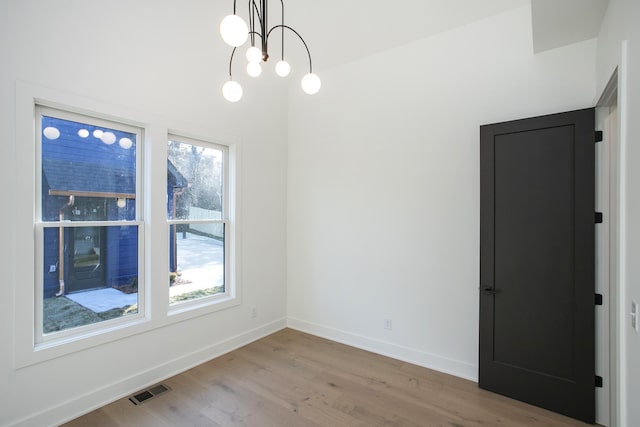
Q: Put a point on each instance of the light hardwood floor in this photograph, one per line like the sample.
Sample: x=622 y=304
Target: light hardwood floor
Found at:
x=294 y=379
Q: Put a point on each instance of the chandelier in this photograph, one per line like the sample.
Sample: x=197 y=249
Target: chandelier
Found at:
x=235 y=32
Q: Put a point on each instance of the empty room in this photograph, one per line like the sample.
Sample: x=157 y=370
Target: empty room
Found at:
x=320 y=213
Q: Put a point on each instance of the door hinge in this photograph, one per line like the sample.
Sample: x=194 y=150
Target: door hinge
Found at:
x=598 y=381
x=598 y=136
x=598 y=299
x=599 y=218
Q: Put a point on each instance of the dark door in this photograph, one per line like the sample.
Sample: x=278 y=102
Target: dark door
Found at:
x=86 y=266
x=86 y=246
x=537 y=179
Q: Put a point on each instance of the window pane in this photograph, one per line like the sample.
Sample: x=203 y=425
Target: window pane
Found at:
x=88 y=172
x=90 y=275
x=194 y=181
x=197 y=261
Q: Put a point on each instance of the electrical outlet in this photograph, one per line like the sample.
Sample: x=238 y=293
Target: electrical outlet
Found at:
x=52 y=268
x=388 y=325
x=634 y=315
x=254 y=312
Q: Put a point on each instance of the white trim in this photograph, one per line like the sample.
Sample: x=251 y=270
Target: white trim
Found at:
x=385 y=348
x=42 y=340
x=604 y=258
x=196 y=221
x=73 y=224
x=229 y=297
x=610 y=91
x=623 y=398
x=104 y=395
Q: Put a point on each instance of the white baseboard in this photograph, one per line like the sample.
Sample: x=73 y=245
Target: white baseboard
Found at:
x=103 y=396
x=405 y=354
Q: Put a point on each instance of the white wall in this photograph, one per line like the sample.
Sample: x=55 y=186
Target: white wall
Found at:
x=383 y=186
x=621 y=26
x=162 y=58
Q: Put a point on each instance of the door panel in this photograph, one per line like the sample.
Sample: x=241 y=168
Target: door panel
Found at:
x=86 y=269
x=537 y=261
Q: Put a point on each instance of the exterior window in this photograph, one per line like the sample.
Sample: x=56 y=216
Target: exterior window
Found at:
x=198 y=220
x=98 y=256
x=87 y=229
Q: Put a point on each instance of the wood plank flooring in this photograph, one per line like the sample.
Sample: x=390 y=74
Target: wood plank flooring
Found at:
x=294 y=379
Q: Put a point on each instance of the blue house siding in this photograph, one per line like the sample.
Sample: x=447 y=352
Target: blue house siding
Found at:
x=91 y=162
x=122 y=255
x=121 y=259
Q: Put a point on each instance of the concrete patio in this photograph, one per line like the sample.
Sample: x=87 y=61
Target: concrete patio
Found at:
x=200 y=263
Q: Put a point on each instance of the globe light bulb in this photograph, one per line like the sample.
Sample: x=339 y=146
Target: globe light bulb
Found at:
x=254 y=54
x=121 y=202
x=108 y=138
x=97 y=133
x=125 y=143
x=234 y=30
x=83 y=133
x=283 y=68
x=254 y=69
x=311 y=83
x=51 y=133
x=232 y=91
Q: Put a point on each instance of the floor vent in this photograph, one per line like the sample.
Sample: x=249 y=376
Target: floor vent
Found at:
x=145 y=395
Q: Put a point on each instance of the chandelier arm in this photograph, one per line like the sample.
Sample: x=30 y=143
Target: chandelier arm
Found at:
x=252 y=18
x=261 y=14
x=231 y=61
x=299 y=36
x=234 y=7
x=263 y=29
x=253 y=8
x=282 y=22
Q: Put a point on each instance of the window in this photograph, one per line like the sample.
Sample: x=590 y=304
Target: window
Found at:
x=198 y=221
x=102 y=264
x=87 y=224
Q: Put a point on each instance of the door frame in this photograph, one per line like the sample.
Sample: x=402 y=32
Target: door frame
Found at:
x=608 y=119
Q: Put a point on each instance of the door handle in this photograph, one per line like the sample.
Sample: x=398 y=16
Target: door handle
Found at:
x=488 y=290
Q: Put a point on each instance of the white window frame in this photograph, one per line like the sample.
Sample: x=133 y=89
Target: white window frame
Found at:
x=154 y=310
x=228 y=297
x=40 y=338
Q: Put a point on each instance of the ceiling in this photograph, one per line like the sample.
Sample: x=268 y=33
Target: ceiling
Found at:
x=339 y=31
x=558 y=23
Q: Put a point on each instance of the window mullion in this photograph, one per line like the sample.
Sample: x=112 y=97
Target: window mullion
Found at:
x=73 y=224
